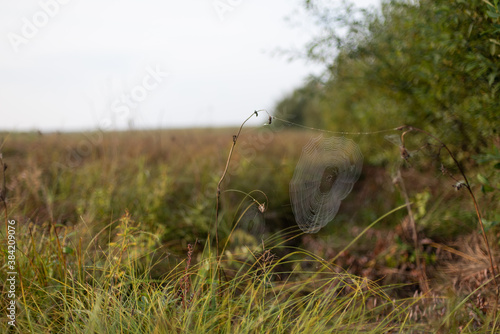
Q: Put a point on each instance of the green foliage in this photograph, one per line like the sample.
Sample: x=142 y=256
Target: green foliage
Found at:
x=431 y=64
x=303 y=106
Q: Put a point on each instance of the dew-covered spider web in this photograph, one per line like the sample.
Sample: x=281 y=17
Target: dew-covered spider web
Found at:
x=252 y=220
x=324 y=176
x=421 y=152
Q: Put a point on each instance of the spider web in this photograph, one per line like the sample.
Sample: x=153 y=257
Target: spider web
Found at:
x=324 y=176
x=252 y=221
x=421 y=153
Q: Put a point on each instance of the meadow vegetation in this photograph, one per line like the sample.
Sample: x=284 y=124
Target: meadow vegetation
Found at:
x=119 y=238
x=116 y=231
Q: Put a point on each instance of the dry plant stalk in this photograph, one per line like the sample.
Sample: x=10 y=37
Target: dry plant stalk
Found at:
x=185 y=279
x=459 y=184
x=422 y=276
x=235 y=139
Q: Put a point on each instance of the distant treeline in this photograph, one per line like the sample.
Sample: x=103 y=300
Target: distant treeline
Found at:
x=434 y=64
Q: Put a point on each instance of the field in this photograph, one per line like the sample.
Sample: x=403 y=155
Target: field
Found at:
x=115 y=232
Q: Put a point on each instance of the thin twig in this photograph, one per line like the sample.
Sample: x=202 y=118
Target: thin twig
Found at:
x=424 y=284
x=235 y=139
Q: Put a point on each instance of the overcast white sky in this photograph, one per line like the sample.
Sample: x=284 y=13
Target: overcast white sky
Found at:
x=77 y=65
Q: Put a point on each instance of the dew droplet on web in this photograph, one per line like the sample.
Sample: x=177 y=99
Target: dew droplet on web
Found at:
x=324 y=176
